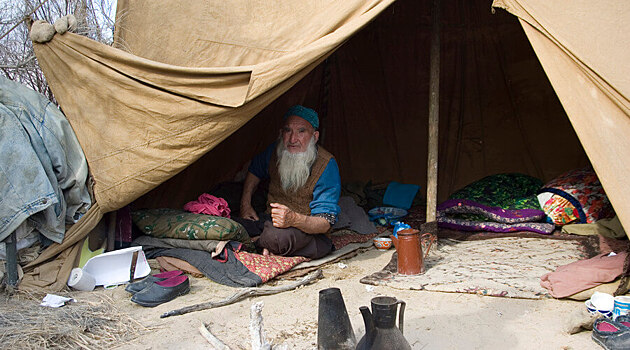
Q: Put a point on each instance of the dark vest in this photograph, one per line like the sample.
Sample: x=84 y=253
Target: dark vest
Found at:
x=299 y=200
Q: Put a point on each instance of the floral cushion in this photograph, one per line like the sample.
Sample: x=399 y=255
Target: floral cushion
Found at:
x=560 y=211
x=173 y=223
x=577 y=193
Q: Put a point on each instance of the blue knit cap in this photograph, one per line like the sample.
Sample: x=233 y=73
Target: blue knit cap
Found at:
x=305 y=113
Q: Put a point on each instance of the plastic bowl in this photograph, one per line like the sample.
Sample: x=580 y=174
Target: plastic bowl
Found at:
x=590 y=308
x=386 y=215
x=593 y=311
x=382 y=243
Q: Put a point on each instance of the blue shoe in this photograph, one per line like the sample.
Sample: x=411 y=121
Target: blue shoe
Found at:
x=624 y=320
x=611 y=335
x=135 y=287
x=162 y=291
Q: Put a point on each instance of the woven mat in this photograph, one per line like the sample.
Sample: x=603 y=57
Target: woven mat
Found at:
x=506 y=267
x=347 y=244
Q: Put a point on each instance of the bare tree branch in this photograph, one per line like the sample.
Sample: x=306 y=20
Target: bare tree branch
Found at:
x=246 y=293
x=17 y=58
x=22 y=64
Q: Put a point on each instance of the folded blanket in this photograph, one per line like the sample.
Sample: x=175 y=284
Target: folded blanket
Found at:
x=213 y=247
x=500 y=220
x=583 y=274
x=232 y=267
x=226 y=269
x=171 y=264
x=496 y=203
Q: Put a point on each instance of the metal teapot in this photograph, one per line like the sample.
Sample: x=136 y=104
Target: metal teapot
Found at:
x=409 y=246
x=380 y=325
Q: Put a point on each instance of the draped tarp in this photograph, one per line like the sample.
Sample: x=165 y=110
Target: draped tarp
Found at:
x=584 y=47
x=142 y=117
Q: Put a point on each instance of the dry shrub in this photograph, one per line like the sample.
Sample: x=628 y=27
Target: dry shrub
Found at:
x=24 y=324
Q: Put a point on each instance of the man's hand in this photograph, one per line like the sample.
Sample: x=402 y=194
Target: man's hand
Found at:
x=247 y=212
x=282 y=216
x=249 y=186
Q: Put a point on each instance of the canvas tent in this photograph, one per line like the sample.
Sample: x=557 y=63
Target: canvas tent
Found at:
x=192 y=90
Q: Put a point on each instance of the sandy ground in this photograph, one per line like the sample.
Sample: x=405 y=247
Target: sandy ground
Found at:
x=433 y=320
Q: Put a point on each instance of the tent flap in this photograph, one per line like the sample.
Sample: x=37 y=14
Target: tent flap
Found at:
x=583 y=47
x=142 y=119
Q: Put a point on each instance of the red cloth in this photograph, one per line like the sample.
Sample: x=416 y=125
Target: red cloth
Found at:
x=209 y=204
x=583 y=274
x=268 y=266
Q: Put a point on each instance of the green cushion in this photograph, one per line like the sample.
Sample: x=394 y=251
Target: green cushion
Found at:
x=173 y=223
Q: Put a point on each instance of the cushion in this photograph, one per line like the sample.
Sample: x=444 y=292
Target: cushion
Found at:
x=576 y=196
x=507 y=191
x=400 y=195
x=560 y=211
x=173 y=223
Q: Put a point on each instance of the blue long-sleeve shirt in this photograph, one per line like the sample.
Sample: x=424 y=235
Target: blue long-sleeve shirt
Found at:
x=327 y=189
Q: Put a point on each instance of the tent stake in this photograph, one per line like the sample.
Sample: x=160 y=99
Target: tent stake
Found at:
x=434 y=112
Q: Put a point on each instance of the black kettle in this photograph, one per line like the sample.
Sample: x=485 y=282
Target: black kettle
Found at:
x=380 y=325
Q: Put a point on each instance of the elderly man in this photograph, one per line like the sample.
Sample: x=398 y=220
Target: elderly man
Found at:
x=304 y=188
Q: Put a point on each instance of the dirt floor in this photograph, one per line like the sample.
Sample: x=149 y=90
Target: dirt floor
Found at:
x=433 y=320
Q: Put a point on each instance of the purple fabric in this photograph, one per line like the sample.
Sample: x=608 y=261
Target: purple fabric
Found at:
x=124 y=232
x=173 y=281
x=503 y=220
x=464 y=225
x=209 y=204
x=465 y=206
x=169 y=274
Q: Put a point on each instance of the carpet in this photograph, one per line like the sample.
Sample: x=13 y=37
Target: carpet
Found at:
x=505 y=267
x=347 y=244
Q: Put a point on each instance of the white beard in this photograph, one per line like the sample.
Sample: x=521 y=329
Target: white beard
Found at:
x=295 y=168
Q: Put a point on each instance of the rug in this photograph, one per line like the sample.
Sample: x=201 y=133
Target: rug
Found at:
x=416 y=219
x=505 y=267
x=268 y=266
x=347 y=244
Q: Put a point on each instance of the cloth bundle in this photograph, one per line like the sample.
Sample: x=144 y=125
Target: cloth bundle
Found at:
x=583 y=274
x=209 y=204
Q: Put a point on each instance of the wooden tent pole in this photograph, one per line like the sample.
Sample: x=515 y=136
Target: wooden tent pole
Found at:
x=434 y=112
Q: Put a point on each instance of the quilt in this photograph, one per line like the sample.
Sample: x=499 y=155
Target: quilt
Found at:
x=496 y=203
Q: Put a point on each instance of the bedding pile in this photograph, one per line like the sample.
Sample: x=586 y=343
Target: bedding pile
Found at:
x=516 y=202
x=497 y=203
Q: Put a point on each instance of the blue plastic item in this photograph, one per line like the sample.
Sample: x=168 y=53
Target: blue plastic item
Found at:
x=400 y=195
x=399 y=225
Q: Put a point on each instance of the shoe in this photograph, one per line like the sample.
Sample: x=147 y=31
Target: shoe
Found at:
x=611 y=335
x=162 y=291
x=624 y=320
x=135 y=287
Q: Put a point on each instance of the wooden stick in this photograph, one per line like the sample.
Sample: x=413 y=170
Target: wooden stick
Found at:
x=434 y=113
x=214 y=341
x=245 y=293
x=256 y=332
